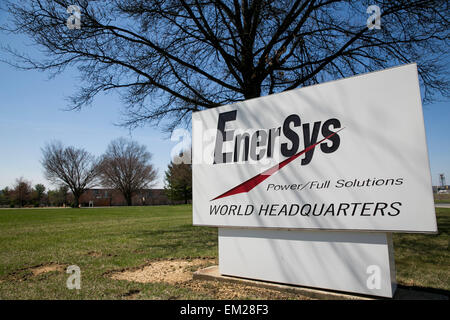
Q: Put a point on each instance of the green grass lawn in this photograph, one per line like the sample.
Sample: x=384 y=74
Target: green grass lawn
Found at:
x=442 y=201
x=442 y=198
x=106 y=239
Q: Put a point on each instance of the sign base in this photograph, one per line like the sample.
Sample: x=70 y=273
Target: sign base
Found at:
x=359 y=262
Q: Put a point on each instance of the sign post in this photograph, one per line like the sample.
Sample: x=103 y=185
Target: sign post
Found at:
x=308 y=185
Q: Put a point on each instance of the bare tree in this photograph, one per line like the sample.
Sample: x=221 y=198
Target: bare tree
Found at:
x=170 y=57
x=126 y=166
x=75 y=168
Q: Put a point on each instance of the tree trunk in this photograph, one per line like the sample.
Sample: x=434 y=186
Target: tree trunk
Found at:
x=128 y=199
x=76 y=200
x=252 y=89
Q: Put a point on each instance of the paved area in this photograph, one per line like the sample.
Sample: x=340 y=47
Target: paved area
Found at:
x=442 y=205
x=402 y=293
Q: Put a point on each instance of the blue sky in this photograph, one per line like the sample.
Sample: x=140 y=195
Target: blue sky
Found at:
x=437 y=129
x=31 y=114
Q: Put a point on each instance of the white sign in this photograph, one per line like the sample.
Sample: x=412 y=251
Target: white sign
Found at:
x=343 y=155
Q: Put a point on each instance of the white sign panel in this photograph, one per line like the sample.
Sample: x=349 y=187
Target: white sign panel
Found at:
x=343 y=155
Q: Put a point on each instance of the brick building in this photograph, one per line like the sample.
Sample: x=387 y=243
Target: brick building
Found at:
x=111 y=197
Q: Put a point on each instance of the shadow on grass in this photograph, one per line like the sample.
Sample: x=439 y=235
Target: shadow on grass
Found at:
x=422 y=260
x=178 y=238
x=417 y=292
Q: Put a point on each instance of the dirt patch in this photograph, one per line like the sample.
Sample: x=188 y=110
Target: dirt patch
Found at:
x=26 y=273
x=229 y=291
x=47 y=268
x=168 y=271
x=179 y=272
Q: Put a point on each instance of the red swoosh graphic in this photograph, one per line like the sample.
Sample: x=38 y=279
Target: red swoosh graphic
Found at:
x=248 y=185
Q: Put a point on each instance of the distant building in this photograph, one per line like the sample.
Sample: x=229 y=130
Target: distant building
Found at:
x=111 y=197
x=440 y=189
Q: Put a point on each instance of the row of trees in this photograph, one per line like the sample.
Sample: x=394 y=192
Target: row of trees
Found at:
x=22 y=193
x=125 y=166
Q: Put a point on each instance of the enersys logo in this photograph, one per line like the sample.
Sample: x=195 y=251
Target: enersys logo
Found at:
x=261 y=143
